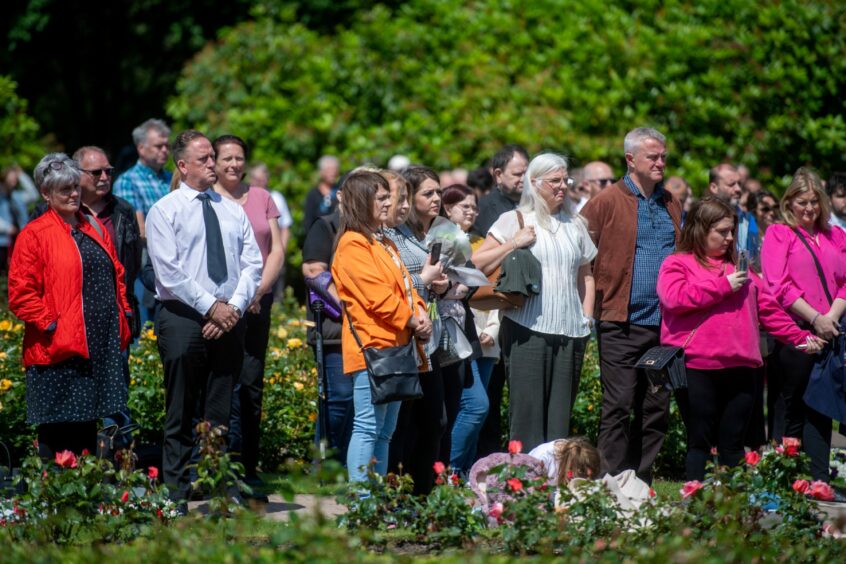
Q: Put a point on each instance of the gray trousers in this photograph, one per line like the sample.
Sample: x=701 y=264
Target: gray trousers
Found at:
x=543 y=377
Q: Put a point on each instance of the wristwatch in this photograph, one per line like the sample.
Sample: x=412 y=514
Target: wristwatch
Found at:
x=236 y=308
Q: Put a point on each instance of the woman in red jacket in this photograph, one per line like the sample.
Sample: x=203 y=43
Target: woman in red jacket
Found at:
x=66 y=284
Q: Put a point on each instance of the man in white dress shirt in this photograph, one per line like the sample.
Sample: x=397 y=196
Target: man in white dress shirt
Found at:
x=207 y=266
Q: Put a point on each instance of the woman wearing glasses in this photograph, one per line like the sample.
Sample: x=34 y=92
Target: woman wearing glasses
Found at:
x=816 y=299
x=66 y=284
x=544 y=341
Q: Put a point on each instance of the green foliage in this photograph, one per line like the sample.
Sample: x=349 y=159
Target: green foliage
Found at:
x=446 y=517
x=19 y=142
x=217 y=474
x=80 y=499
x=448 y=82
x=380 y=503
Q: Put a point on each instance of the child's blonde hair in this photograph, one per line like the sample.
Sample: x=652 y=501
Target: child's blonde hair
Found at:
x=576 y=458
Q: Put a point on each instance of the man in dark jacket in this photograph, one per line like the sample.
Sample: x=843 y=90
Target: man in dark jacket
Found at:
x=508 y=167
x=116 y=215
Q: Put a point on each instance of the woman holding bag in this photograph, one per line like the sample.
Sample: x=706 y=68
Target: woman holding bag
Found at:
x=713 y=310
x=382 y=308
x=544 y=340
x=804 y=264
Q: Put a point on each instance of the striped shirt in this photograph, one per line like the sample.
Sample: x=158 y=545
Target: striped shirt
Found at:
x=656 y=240
x=561 y=251
x=413 y=254
x=142 y=187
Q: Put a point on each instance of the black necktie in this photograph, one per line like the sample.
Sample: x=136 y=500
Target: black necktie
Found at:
x=215 y=256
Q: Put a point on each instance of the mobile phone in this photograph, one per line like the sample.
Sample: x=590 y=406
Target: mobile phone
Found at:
x=743 y=261
x=802 y=346
x=436 y=252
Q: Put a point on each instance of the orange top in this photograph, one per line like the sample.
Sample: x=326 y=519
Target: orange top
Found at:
x=375 y=290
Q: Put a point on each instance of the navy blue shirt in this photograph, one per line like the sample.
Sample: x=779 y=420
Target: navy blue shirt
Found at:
x=656 y=240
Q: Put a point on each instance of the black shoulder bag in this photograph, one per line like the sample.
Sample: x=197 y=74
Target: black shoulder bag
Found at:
x=664 y=365
x=392 y=371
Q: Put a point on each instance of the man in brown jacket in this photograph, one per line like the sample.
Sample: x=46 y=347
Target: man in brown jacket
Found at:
x=635 y=224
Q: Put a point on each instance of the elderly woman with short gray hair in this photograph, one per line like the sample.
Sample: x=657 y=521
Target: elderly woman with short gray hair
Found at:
x=66 y=284
x=543 y=341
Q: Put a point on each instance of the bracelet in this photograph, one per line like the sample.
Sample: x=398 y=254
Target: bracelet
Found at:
x=815 y=318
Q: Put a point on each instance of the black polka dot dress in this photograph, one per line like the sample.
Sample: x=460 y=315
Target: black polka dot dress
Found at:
x=79 y=389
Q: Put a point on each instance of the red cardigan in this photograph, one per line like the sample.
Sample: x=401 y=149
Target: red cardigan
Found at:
x=45 y=285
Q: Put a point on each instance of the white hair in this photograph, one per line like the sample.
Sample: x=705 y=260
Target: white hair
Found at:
x=530 y=200
x=139 y=134
x=48 y=176
x=635 y=138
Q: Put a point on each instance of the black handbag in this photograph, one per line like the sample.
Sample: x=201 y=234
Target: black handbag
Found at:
x=664 y=365
x=392 y=371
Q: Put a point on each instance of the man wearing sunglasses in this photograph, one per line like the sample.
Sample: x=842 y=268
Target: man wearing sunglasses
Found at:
x=597 y=175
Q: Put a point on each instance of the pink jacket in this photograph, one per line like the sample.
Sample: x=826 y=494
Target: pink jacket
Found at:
x=727 y=335
x=789 y=269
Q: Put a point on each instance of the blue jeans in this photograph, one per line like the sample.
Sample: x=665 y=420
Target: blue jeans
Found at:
x=340 y=403
x=473 y=410
x=373 y=427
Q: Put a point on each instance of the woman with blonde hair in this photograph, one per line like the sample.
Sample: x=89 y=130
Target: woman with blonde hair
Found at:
x=544 y=340
x=804 y=265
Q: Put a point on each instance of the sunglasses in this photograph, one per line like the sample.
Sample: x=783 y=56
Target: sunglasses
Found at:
x=98 y=172
x=603 y=182
x=54 y=165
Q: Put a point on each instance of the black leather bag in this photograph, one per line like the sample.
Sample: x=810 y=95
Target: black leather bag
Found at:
x=392 y=371
x=664 y=367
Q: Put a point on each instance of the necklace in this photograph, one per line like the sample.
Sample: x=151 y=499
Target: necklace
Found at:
x=554 y=219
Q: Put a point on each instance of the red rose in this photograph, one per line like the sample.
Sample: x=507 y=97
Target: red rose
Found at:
x=800 y=486
x=821 y=491
x=153 y=472
x=439 y=467
x=85 y=452
x=66 y=459
x=753 y=458
x=515 y=484
x=690 y=488
x=125 y=497
x=454 y=479
x=651 y=492
x=791 y=445
x=439 y=480
x=515 y=447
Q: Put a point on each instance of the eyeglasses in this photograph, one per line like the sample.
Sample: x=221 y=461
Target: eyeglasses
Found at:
x=603 y=182
x=764 y=209
x=98 y=172
x=558 y=182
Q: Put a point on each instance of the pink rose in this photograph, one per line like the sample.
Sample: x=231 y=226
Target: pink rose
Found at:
x=496 y=511
x=800 y=486
x=821 y=491
x=690 y=488
x=515 y=447
x=439 y=467
x=753 y=458
x=791 y=445
x=66 y=459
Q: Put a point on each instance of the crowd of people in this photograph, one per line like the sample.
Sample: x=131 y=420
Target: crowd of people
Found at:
x=750 y=286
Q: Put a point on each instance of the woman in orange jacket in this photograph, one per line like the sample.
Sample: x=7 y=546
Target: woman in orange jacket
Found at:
x=382 y=306
x=66 y=284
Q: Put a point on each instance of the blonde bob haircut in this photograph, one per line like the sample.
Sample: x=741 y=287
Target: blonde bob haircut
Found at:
x=806 y=182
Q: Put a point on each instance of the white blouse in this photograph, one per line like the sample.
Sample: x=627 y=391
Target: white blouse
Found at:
x=561 y=251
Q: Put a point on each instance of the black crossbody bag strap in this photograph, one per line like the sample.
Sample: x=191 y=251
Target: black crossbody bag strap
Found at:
x=352 y=329
x=816 y=263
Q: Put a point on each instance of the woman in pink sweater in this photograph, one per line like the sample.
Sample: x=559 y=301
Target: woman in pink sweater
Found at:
x=713 y=311
x=792 y=276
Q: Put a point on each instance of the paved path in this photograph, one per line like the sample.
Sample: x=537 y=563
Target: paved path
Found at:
x=278 y=509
